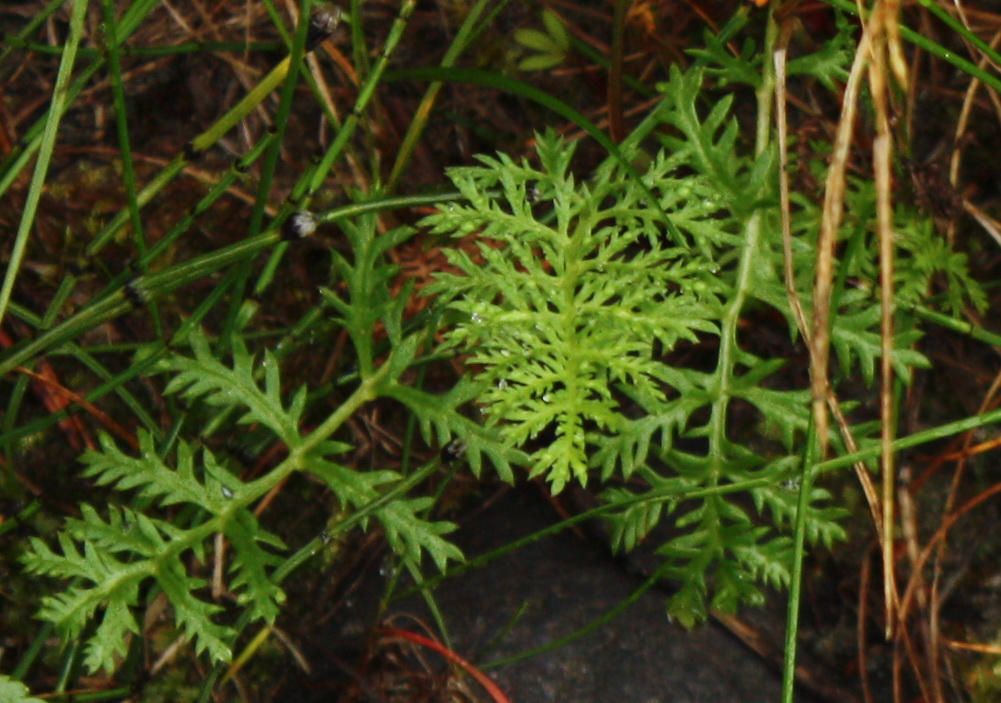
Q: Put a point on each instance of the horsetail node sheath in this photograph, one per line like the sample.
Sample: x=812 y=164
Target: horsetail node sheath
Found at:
x=322 y=24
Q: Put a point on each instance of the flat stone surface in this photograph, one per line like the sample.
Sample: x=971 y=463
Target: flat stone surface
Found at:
x=528 y=598
x=551 y=588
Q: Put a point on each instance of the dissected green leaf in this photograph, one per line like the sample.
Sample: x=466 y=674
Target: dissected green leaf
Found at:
x=15 y=692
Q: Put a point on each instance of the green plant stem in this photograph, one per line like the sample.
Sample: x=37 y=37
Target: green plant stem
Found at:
x=656 y=495
x=960 y=29
x=119 y=303
x=37 y=645
x=196 y=47
x=796 y=577
x=11 y=167
x=913 y=440
x=199 y=144
x=309 y=183
x=20 y=40
x=246 y=495
x=923 y=42
x=47 y=146
x=459 y=44
x=364 y=97
x=113 y=694
x=973 y=331
x=243 y=108
x=750 y=253
x=305 y=553
x=124 y=145
x=269 y=162
x=116 y=303
x=493 y=80
x=356 y=517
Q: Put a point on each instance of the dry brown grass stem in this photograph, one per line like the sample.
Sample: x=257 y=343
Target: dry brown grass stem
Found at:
x=883 y=165
x=878 y=54
x=781 y=119
x=829 y=399
x=833 y=208
x=819 y=344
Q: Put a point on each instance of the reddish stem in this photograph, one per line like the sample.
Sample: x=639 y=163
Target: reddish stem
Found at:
x=484 y=680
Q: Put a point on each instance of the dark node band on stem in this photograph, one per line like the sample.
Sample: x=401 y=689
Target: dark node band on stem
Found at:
x=299 y=226
x=80 y=268
x=452 y=451
x=137 y=292
x=322 y=24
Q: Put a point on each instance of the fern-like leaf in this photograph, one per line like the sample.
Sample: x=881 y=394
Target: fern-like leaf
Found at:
x=217 y=384
x=408 y=533
x=12 y=691
x=556 y=334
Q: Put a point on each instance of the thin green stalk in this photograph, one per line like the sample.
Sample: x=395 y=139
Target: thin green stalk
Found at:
x=355 y=518
x=112 y=694
x=8 y=436
x=962 y=326
x=308 y=551
x=269 y=163
x=935 y=49
x=10 y=482
x=364 y=97
x=656 y=495
x=11 y=167
x=115 y=302
x=279 y=23
x=504 y=83
x=460 y=43
x=116 y=383
x=750 y=254
x=913 y=440
x=45 y=150
x=125 y=146
x=120 y=302
x=359 y=51
x=307 y=185
x=20 y=40
x=195 y=47
x=201 y=143
x=960 y=29
x=796 y=577
x=427 y=593
x=217 y=191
